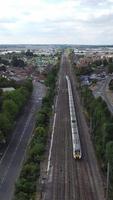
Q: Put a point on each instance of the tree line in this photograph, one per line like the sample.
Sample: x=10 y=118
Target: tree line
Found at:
x=101 y=121
x=26 y=185
x=11 y=103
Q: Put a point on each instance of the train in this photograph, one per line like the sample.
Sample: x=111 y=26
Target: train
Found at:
x=77 y=154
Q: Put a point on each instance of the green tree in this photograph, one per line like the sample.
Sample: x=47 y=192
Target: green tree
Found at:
x=38 y=149
x=29 y=85
x=5 y=124
x=10 y=107
x=109 y=152
x=109 y=158
x=30 y=171
x=25 y=186
x=41 y=134
x=17 y=62
x=21 y=196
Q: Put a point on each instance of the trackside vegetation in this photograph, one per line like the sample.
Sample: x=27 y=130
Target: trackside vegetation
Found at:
x=101 y=124
x=11 y=103
x=25 y=188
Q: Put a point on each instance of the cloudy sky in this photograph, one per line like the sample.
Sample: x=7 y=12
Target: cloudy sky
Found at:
x=56 y=21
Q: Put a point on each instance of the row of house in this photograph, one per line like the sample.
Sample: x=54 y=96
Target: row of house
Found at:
x=87 y=59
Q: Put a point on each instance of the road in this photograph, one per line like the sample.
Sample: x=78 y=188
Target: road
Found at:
x=102 y=89
x=67 y=178
x=11 y=161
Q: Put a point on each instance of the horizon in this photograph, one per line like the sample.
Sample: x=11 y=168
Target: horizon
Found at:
x=44 y=44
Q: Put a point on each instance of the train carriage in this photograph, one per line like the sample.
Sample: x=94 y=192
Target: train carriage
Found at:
x=74 y=126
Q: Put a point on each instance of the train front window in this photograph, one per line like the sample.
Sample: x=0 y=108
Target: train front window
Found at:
x=77 y=152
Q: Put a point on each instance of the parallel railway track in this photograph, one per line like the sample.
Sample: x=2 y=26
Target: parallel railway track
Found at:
x=71 y=179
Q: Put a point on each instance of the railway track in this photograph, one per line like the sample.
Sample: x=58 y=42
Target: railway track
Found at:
x=71 y=179
x=83 y=191
x=89 y=163
x=59 y=154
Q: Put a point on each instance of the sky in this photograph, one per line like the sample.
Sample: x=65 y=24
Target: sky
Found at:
x=56 y=22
